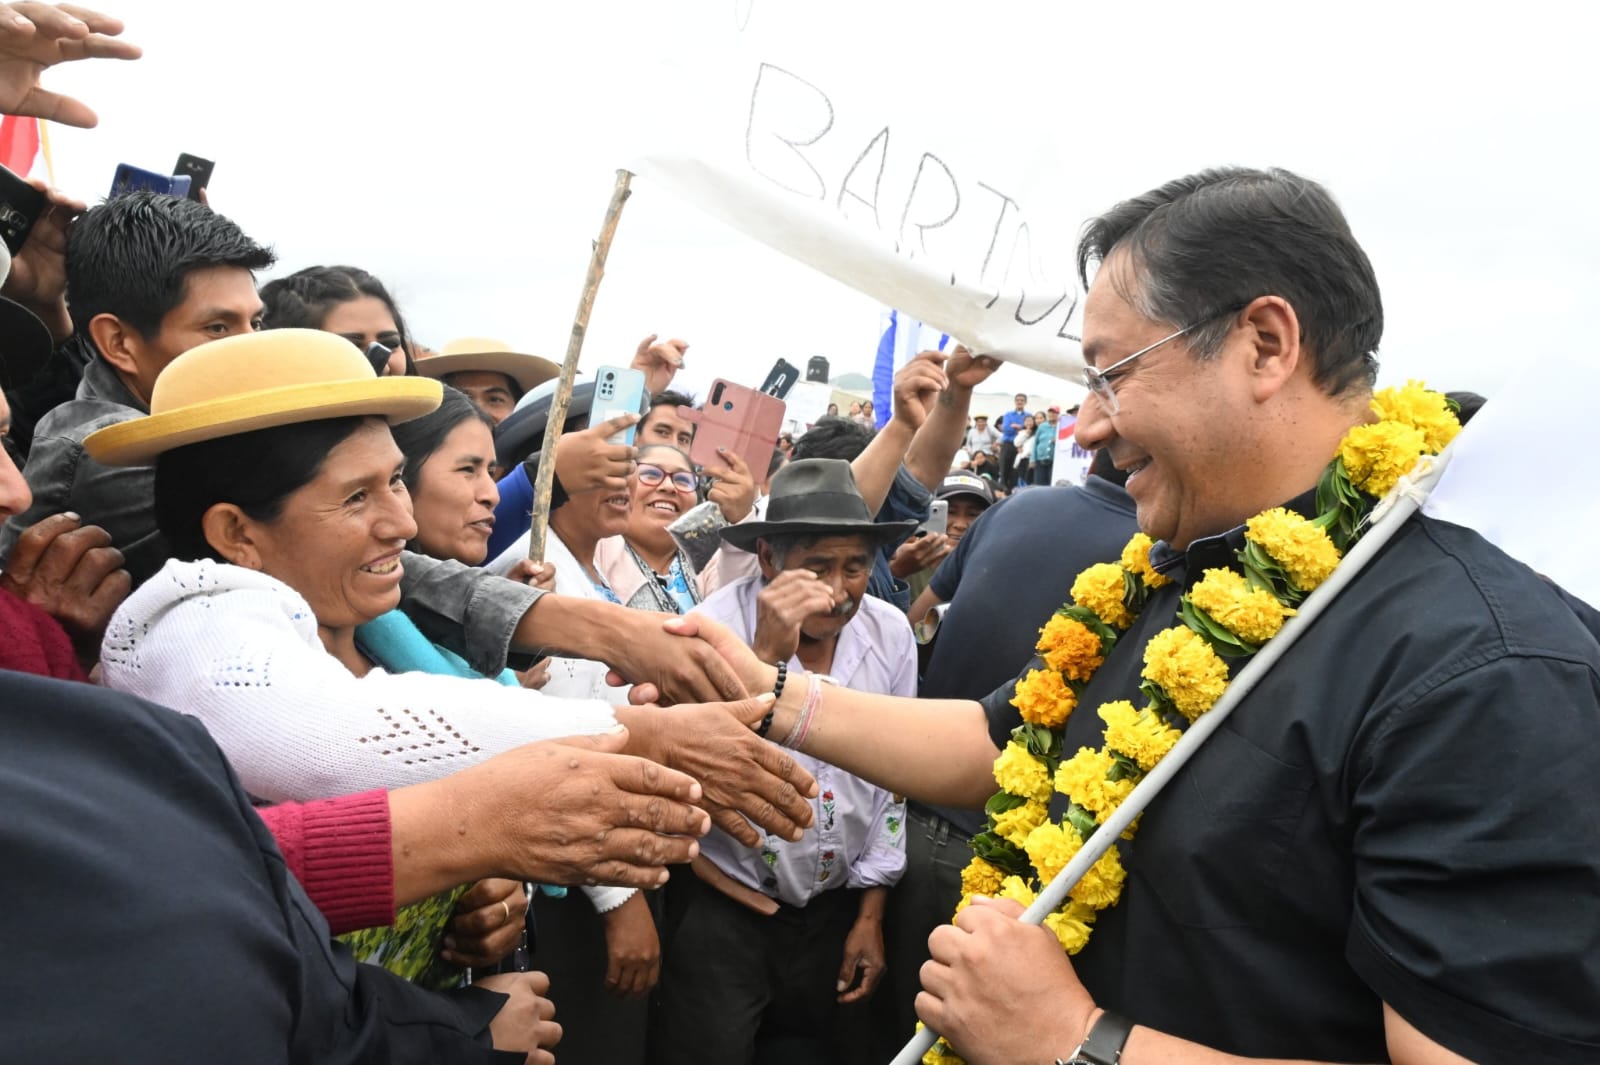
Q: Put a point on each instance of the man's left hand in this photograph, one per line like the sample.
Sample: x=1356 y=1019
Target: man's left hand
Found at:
x=1001 y=991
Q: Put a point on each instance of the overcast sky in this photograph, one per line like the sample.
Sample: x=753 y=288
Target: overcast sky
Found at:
x=464 y=153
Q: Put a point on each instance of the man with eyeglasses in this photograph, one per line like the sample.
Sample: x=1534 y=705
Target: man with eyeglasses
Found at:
x=1389 y=851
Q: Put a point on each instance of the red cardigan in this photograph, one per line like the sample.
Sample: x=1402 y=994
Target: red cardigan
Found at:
x=339 y=849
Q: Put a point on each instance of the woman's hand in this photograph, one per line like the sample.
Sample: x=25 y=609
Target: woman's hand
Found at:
x=526 y=1023
x=488 y=924
x=734 y=487
x=633 y=949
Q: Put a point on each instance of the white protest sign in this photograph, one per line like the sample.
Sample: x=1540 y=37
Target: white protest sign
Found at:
x=1511 y=474
x=800 y=135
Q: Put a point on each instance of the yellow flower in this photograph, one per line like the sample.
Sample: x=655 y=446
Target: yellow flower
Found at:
x=941 y=1053
x=981 y=878
x=1083 y=779
x=1421 y=409
x=1017 y=889
x=1136 y=560
x=1101 y=886
x=1303 y=549
x=1142 y=736
x=1070 y=648
x=1376 y=456
x=1071 y=924
x=1014 y=825
x=1099 y=588
x=1050 y=847
x=1043 y=698
x=1187 y=669
x=1252 y=614
x=1021 y=773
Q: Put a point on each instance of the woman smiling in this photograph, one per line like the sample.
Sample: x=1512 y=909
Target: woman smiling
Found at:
x=449 y=458
x=647 y=567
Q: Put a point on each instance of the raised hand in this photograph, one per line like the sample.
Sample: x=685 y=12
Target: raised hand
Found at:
x=587 y=460
x=917 y=385
x=734 y=487
x=782 y=607
x=35 y=37
x=660 y=360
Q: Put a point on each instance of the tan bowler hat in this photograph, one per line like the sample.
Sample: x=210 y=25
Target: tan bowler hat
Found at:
x=257 y=381
x=486 y=355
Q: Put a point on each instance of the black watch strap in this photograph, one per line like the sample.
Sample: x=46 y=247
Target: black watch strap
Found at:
x=1103 y=1045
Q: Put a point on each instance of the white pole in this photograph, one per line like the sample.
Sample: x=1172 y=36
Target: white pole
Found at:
x=1055 y=893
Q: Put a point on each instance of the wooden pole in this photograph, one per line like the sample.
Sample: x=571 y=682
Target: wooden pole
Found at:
x=545 y=479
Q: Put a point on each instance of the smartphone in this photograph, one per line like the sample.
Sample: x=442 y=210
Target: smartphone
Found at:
x=198 y=170
x=617 y=390
x=741 y=420
x=781 y=378
x=938 y=517
x=20 y=207
x=131 y=179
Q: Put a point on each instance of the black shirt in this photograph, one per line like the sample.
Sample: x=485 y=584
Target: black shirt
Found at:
x=148 y=916
x=1010 y=572
x=1405 y=810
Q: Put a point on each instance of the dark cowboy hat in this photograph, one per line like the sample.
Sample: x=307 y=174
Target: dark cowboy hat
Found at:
x=816 y=497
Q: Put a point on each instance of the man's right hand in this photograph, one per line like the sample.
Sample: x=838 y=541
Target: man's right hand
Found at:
x=71 y=572
x=782 y=607
x=742 y=774
x=526 y=1023
x=577 y=811
x=587 y=460
x=917 y=385
x=34 y=37
x=676 y=669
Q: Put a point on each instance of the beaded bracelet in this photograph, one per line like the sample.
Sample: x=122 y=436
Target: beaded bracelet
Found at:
x=777 y=693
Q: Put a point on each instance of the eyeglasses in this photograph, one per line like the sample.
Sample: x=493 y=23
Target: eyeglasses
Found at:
x=1098 y=382
x=651 y=476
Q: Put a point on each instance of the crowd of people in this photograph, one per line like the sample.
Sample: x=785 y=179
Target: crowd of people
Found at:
x=698 y=784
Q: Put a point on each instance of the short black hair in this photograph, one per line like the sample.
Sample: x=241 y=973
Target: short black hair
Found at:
x=420 y=437
x=303 y=299
x=132 y=256
x=256 y=472
x=1204 y=246
x=832 y=438
x=669 y=398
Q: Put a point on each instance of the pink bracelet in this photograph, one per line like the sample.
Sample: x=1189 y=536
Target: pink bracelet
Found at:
x=802 y=724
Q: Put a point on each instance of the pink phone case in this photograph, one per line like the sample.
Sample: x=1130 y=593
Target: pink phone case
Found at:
x=740 y=419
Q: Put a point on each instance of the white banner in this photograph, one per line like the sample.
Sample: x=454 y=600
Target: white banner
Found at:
x=825 y=139
x=1515 y=472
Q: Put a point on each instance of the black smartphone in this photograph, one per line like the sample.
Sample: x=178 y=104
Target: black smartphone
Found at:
x=20 y=207
x=199 y=171
x=780 y=379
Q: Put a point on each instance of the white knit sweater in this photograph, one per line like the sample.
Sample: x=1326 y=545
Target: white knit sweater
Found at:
x=239 y=650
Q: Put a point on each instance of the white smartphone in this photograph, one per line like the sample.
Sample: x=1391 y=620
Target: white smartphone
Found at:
x=617 y=390
x=938 y=517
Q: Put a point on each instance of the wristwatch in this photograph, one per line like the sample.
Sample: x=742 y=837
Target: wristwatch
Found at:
x=1104 y=1042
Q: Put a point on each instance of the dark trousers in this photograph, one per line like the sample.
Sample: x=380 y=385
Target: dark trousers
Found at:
x=1041 y=471
x=924 y=899
x=598 y=1028
x=730 y=975
x=1008 y=464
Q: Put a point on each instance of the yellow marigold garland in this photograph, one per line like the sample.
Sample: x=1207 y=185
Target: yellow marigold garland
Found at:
x=1224 y=615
